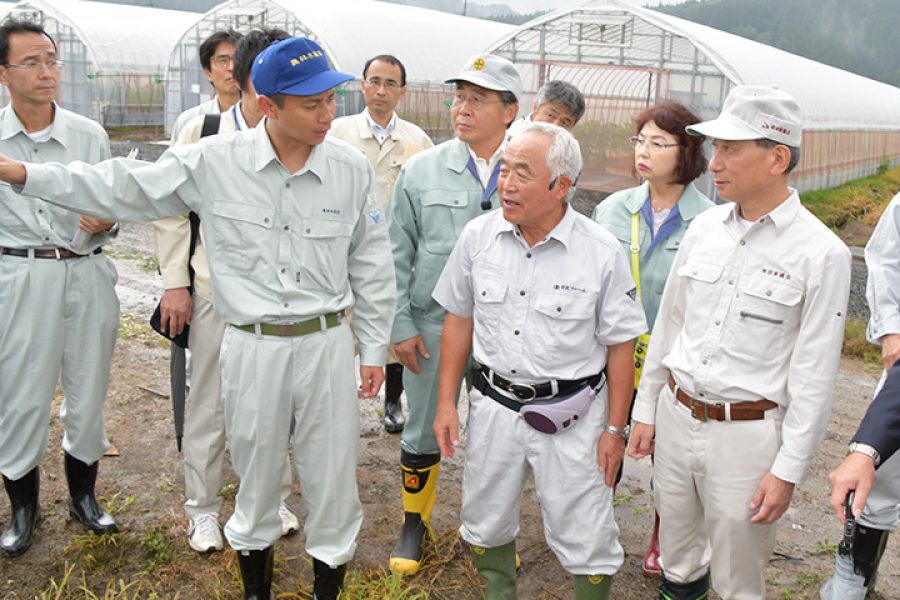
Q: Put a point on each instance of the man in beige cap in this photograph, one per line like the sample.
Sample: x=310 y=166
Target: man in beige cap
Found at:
x=737 y=387
x=437 y=193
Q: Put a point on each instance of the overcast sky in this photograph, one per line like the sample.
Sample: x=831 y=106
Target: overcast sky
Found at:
x=527 y=6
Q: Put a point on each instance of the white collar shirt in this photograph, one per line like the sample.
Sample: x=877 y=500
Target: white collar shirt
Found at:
x=283 y=247
x=486 y=167
x=547 y=311
x=883 y=281
x=755 y=314
x=378 y=132
x=33 y=223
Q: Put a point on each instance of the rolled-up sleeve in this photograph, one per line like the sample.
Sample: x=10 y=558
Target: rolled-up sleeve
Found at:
x=883 y=265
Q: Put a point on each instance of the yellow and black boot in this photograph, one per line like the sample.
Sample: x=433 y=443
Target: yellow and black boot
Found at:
x=420 y=473
x=497 y=566
x=592 y=587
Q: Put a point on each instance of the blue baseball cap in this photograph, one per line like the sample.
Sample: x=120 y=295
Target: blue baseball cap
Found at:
x=297 y=67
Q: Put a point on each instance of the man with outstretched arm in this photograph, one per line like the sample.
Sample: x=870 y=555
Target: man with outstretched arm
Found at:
x=295 y=236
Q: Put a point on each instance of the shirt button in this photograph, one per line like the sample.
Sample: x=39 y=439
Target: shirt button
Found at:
x=701 y=394
x=287 y=227
x=522 y=292
x=288 y=184
x=484 y=293
x=768 y=292
x=35 y=150
x=456 y=202
x=516 y=332
x=309 y=230
x=705 y=362
x=743 y=243
x=528 y=255
x=731 y=282
x=513 y=371
x=718 y=322
x=285 y=304
x=284 y=270
x=266 y=220
x=46 y=239
x=40 y=211
x=559 y=309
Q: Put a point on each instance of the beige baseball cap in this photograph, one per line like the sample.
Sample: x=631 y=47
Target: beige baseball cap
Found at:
x=491 y=72
x=754 y=112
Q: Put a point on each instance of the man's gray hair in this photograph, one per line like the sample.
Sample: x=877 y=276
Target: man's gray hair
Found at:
x=564 y=157
x=564 y=94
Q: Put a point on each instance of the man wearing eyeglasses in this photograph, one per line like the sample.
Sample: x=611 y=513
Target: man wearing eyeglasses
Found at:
x=388 y=142
x=737 y=388
x=216 y=58
x=437 y=193
x=58 y=306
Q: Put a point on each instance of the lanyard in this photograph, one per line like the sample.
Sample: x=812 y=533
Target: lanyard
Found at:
x=636 y=253
x=237 y=122
x=491 y=186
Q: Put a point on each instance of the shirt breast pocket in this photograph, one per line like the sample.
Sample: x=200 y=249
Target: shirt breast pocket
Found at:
x=768 y=312
x=489 y=296
x=239 y=234
x=562 y=321
x=443 y=219
x=326 y=248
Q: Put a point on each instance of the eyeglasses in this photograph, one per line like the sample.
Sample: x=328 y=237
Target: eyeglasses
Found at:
x=475 y=102
x=35 y=66
x=652 y=145
x=223 y=60
x=389 y=84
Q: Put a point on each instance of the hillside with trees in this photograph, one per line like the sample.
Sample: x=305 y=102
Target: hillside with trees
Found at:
x=860 y=35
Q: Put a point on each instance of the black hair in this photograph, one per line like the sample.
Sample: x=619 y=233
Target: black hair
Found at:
x=391 y=60
x=209 y=45
x=17 y=26
x=249 y=47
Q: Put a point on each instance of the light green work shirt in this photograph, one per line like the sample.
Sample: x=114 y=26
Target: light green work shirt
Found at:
x=35 y=223
x=435 y=196
x=615 y=213
x=282 y=247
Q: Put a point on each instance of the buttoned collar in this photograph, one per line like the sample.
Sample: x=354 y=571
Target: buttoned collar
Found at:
x=561 y=232
x=12 y=126
x=690 y=204
x=780 y=217
x=265 y=153
x=375 y=129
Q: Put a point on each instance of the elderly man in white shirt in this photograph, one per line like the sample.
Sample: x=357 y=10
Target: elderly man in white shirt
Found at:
x=739 y=378
x=545 y=299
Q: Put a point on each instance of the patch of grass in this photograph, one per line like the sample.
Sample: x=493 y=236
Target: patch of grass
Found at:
x=622 y=498
x=132 y=327
x=861 y=199
x=856 y=344
x=641 y=510
x=229 y=489
x=786 y=594
x=808 y=580
x=826 y=547
x=117 y=503
x=156 y=547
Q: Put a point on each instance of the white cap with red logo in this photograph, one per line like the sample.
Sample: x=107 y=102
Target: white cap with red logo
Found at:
x=753 y=112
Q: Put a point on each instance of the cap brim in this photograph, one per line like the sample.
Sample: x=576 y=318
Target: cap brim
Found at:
x=725 y=128
x=318 y=83
x=488 y=84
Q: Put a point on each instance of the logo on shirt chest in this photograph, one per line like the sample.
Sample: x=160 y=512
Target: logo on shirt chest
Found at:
x=775 y=273
x=565 y=287
x=331 y=211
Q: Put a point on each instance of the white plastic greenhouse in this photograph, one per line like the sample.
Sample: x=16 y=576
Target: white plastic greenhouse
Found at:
x=114 y=56
x=432 y=45
x=624 y=57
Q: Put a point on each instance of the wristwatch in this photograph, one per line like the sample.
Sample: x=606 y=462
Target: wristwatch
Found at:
x=622 y=432
x=866 y=449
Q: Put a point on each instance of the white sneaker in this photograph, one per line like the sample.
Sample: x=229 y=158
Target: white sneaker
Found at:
x=204 y=534
x=289 y=522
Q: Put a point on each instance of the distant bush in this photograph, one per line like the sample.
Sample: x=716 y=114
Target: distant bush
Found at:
x=861 y=199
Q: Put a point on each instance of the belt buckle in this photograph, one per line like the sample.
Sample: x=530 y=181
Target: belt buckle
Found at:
x=520 y=391
x=699 y=410
x=284 y=330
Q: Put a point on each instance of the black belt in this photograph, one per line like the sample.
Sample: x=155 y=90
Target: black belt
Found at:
x=55 y=253
x=527 y=392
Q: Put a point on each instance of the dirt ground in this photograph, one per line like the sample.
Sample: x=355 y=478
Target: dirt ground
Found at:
x=149 y=558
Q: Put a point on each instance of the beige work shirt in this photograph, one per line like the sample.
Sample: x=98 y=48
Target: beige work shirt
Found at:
x=283 y=247
x=34 y=223
x=753 y=315
x=543 y=312
x=173 y=235
x=403 y=141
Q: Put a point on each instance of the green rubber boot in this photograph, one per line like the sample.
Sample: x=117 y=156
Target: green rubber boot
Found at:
x=498 y=568
x=592 y=587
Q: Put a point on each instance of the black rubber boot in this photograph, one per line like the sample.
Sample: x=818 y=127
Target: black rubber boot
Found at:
x=83 y=505
x=328 y=581
x=256 y=572
x=691 y=590
x=868 y=546
x=393 y=387
x=25 y=512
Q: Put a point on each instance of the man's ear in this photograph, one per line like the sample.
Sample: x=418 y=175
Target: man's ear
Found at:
x=267 y=106
x=781 y=159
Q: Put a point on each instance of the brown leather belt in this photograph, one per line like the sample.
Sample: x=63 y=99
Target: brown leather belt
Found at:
x=55 y=253
x=740 y=411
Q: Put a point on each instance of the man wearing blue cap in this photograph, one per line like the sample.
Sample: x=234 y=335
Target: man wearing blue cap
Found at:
x=438 y=191
x=295 y=236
